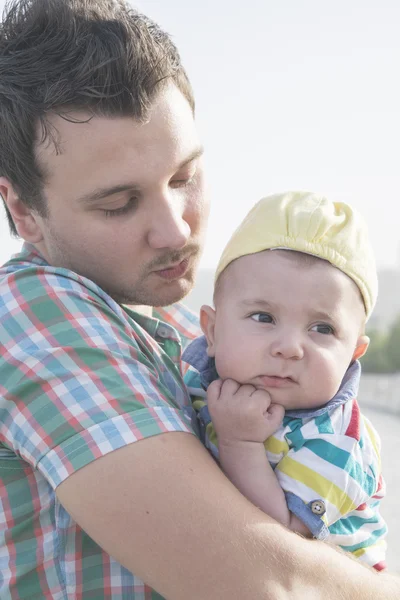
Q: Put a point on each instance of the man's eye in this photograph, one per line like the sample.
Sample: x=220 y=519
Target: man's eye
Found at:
x=262 y=317
x=114 y=212
x=323 y=328
x=183 y=180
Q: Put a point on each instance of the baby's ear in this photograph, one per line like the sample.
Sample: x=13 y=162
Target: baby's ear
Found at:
x=362 y=347
x=207 y=324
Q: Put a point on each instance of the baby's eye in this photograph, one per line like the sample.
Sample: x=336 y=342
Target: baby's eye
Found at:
x=262 y=317
x=323 y=328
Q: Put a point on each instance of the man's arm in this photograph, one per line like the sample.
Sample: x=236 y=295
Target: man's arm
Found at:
x=165 y=510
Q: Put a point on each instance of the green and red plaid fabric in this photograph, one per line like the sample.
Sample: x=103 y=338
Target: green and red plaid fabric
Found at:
x=80 y=376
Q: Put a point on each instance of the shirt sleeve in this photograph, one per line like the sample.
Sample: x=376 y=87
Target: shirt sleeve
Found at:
x=325 y=478
x=77 y=380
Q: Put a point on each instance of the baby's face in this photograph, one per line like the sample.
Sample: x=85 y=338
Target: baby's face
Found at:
x=289 y=328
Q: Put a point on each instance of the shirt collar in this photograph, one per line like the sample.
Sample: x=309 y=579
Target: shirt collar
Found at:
x=181 y=318
x=28 y=253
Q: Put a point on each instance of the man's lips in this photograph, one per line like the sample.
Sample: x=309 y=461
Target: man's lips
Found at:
x=174 y=271
x=275 y=381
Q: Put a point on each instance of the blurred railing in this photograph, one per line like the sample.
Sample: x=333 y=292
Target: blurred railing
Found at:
x=381 y=391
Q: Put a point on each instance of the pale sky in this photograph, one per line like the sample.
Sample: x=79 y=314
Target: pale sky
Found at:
x=292 y=94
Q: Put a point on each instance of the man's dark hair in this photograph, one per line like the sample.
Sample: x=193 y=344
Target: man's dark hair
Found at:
x=61 y=55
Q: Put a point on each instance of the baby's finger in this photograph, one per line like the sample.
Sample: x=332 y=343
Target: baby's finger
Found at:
x=229 y=386
x=247 y=390
x=214 y=391
x=262 y=398
x=276 y=413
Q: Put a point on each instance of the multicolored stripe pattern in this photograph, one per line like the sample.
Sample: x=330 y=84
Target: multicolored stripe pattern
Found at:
x=80 y=376
x=336 y=458
x=329 y=456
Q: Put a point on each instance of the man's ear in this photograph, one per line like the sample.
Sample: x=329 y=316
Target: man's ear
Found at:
x=207 y=324
x=23 y=216
x=361 y=348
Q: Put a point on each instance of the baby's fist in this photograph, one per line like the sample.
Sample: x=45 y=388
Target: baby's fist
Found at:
x=242 y=412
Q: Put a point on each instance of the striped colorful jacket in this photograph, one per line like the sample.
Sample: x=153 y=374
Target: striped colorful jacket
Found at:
x=327 y=461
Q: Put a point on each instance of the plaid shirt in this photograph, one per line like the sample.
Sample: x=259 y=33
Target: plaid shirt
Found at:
x=80 y=376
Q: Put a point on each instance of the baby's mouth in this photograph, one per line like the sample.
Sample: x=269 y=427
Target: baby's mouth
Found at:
x=276 y=381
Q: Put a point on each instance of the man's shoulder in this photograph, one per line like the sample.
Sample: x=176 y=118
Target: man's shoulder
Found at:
x=29 y=283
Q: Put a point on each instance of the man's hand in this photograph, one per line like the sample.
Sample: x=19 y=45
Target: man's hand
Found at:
x=242 y=413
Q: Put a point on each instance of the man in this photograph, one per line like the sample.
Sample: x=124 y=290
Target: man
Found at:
x=101 y=474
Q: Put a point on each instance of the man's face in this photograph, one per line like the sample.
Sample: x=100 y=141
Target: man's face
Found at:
x=126 y=201
x=287 y=328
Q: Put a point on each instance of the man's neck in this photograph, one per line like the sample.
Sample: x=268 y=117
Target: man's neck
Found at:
x=147 y=311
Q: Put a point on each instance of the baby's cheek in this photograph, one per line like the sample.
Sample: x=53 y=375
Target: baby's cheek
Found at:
x=222 y=368
x=228 y=365
x=329 y=378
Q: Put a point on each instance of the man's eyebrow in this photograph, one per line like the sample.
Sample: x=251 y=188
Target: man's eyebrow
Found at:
x=105 y=192
x=193 y=156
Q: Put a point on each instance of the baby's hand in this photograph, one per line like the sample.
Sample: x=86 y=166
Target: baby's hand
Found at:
x=242 y=412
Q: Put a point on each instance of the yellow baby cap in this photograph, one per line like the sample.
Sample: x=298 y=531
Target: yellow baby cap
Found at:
x=312 y=224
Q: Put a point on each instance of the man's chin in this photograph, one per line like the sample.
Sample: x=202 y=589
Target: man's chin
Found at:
x=163 y=295
x=175 y=292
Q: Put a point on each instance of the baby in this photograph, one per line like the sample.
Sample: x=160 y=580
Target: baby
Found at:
x=279 y=360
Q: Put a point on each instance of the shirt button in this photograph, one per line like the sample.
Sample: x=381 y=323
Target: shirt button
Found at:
x=318 y=507
x=163 y=331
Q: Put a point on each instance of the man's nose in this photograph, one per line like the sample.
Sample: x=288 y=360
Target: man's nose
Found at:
x=168 y=227
x=288 y=345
